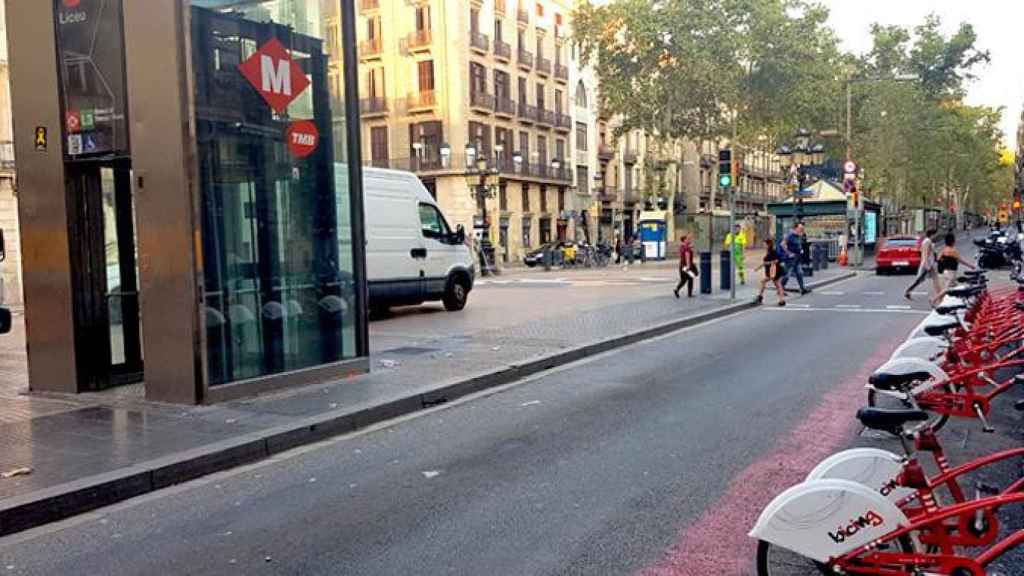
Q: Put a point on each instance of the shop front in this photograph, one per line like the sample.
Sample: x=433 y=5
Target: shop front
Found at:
x=192 y=215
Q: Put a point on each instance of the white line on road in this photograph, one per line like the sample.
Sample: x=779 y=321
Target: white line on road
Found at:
x=899 y=307
x=874 y=293
x=799 y=305
x=530 y=403
x=832 y=293
x=851 y=310
x=851 y=306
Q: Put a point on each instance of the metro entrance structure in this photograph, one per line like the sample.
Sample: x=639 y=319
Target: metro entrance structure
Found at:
x=190 y=194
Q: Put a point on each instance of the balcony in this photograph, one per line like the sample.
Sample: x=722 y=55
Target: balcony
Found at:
x=605 y=152
x=629 y=156
x=502 y=50
x=563 y=122
x=523 y=15
x=421 y=101
x=545 y=117
x=525 y=59
x=373 y=106
x=370 y=49
x=561 y=73
x=481 y=102
x=418 y=41
x=527 y=113
x=479 y=42
x=543 y=66
x=368 y=5
x=606 y=194
x=504 y=107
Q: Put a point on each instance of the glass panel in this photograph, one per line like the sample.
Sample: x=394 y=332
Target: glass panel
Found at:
x=276 y=216
x=112 y=262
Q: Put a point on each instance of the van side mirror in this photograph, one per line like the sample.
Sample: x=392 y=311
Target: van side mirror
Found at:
x=460 y=234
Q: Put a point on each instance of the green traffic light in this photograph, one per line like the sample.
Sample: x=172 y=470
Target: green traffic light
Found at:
x=725 y=181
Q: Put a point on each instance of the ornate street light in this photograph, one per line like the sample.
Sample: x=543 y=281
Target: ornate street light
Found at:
x=799 y=159
x=482 y=177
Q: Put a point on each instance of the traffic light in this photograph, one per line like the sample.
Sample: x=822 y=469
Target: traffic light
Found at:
x=725 y=169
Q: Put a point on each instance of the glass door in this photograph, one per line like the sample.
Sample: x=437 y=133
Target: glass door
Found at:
x=121 y=274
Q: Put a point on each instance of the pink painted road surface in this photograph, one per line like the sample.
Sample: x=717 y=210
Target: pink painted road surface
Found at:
x=717 y=542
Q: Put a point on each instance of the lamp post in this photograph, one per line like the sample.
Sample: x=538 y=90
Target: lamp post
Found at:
x=482 y=177
x=799 y=159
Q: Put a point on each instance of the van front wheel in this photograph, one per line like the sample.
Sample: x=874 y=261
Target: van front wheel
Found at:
x=455 y=295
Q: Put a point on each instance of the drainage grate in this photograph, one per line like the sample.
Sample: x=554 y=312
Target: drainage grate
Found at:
x=409 y=351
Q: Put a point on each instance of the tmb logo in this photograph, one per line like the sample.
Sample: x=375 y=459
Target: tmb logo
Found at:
x=274 y=74
x=850 y=530
x=72 y=3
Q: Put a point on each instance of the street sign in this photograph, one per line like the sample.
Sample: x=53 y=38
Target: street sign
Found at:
x=302 y=138
x=274 y=75
x=40 y=138
x=850 y=167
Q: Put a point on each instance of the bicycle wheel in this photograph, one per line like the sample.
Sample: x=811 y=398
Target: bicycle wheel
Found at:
x=775 y=561
x=877 y=399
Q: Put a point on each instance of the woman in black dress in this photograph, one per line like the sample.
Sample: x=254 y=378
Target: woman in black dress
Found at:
x=773 y=272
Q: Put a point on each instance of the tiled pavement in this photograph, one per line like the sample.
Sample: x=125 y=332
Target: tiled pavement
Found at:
x=71 y=438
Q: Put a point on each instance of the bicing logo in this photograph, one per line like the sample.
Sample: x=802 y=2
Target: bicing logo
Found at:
x=871 y=519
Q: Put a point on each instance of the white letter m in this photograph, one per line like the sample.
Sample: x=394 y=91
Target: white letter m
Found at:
x=277 y=80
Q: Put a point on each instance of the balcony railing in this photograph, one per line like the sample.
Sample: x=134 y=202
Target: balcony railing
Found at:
x=373 y=106
x=420 y=100
x=605 y=152
x=370 y=48
x=563 y=121
x=527 y=113
x=543 y=66
x=525 y=59
x=419 y=40
x=504 y=106
x=546 y=117
x=629 y=157
x=481 y=100
x=502 y=50
x=561 y=73
x=523 y=15
x=367 y=5
x=606 y=193
x=479 y=41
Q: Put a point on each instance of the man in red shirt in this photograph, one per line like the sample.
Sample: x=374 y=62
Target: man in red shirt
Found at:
x=687 y=267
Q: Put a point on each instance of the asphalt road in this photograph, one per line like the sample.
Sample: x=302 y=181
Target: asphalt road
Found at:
x=653 y=459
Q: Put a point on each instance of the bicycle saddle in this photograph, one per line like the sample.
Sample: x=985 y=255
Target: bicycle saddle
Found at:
x=974 y=273
x=892 y=380
x=964 y=291
x=939 y=328
x=946 y=309
x=891 y=421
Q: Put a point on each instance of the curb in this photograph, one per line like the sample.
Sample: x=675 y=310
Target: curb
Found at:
x=86 y=494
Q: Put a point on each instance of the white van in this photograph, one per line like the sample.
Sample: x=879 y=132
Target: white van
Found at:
x=412 y=254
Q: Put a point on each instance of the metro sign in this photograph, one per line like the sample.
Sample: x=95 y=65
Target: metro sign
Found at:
x=274 y=74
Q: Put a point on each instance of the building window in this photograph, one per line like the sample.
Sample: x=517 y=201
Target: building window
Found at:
x=480 y=137
x=527 y=225
x=540 y=46
x=560 y=149
x=477 y=78
x=379 y=146
x=558 y=101
x=543 y=203
x=523 y=91
x=583 y=179
x=498 y=35
x=375 y=83
x=425 y=75
x=542 y=150
x=581 y=136
x=540 y=97
x=524 y=146
x=373 y=30
x=581 y=95
x=561 y=200
x=521 y=40
x=503 y=138
x=502 y=198
x=545 y=231
x=474 y=21
x=502 y=90
x=429 y=136
x=526 y=197
x=423 y=18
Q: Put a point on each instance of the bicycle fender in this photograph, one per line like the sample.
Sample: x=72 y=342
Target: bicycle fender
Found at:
x=926 y=348
x=825 y=519
x=874 y=468
x=910 y=365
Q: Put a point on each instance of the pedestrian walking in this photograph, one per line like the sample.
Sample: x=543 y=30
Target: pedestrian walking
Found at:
x=792 y=253
x=618 y=249
x=773 y=272
x=687 y=267
x=947 y=265
x=736 y=242
x=927 y=268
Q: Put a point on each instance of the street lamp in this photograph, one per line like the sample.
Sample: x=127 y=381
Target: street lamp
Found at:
x=483 y=179
x=800 y=158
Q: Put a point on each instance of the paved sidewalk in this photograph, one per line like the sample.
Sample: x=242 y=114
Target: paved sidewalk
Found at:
x=92 y=450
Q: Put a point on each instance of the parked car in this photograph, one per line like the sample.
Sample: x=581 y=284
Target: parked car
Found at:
x=898 y=253
x=536 y=257
x=412 y=254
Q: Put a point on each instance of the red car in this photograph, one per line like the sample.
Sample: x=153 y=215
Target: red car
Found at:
x=898 y=253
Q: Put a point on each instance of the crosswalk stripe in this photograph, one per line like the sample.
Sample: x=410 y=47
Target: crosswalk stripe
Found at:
x=832 y=293
x=874 y=293
x=848 y=306
x=898 y=308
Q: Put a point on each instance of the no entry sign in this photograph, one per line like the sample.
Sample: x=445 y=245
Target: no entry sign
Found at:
x=302 y=138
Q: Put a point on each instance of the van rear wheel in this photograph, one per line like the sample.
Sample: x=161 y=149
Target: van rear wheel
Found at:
x=455 y=295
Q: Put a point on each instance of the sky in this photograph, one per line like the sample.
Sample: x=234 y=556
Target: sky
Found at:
x=997 y=23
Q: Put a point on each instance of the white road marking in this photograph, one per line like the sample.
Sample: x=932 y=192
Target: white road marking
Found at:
x=431 y=474
x=832 y=293
x=848 y=306
x=530 y=403
x=899 y=307
x=851 y=310
x=874 y=293
x=799 y=305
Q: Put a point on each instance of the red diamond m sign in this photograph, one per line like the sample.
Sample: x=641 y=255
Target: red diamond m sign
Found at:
x=274 y=74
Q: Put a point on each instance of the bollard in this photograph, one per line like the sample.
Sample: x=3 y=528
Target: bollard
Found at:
x=816 y=256
x=547 y=258
x=824 y=258
x=806 y=264
x=725 y=276
x=705 y=272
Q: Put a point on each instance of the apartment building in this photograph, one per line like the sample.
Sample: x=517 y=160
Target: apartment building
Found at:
x=447 y=86
x=10 y=267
